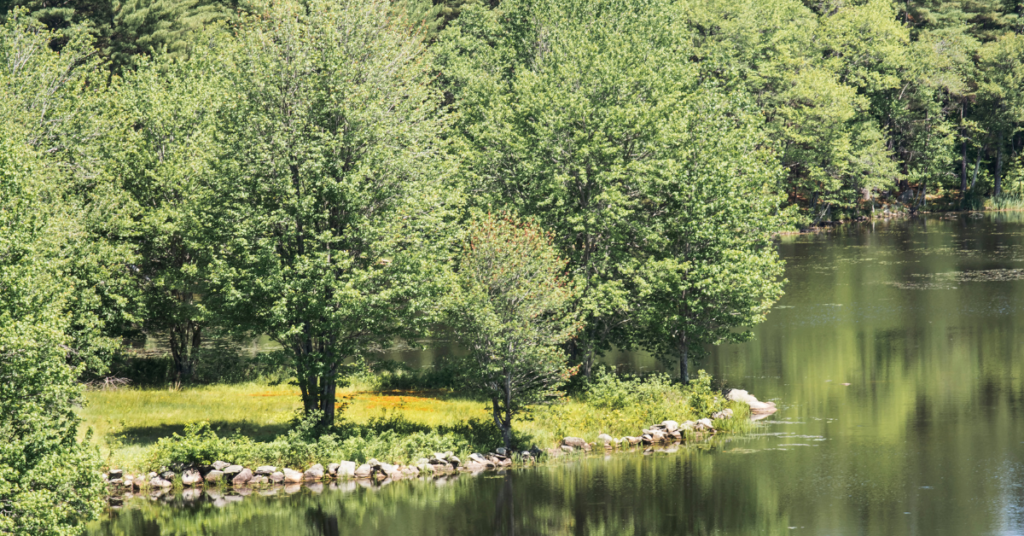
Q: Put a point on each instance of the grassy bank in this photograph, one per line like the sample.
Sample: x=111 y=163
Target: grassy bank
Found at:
x=141 y=429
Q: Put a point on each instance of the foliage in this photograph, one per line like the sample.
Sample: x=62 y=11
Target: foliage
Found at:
x=394 y=440
x=511 y=315
x=162 y=162
x=49 y=483
x=333 y=232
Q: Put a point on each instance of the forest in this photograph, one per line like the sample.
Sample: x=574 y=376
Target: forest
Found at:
x=542 y=181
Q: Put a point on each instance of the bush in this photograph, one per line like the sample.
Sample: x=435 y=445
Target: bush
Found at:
x=393 y=440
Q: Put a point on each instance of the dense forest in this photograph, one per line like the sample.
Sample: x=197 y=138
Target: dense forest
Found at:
x=542 y=180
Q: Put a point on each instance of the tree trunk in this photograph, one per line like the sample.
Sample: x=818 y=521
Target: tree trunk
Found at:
x=684 y=357
x=977 y=164
x=185 y=339
x=998 y=189
x=327 y=401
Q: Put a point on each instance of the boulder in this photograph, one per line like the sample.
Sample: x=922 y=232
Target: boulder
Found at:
x=440 y=456
x=191 y=477
x=242 y=478
x=160 y=483
x=265 y=470
x=167 y=475
x=587 y=447
x=363 y=471
x=372 y=462
x=724 y=414
x=232 y=470
x=291 y=476
x=220 y=466
x=632 y=440
x=347 y=469
x=454 y=460
x=502 y=451
x=259 y=480
x=410 y=471
x=477 y=457
x=756 y=406
x=574 y=442
x=114 y=474
x=332 y=469
x=567 y=448
x=276 y=477
x=214 y=476
x=670 y=426
x=676 y=435
x=387 y=468
x=314 y=473
x=688 y=425
x=658 y=436
x=704 y=425
x=605 y=440
x=475 y=466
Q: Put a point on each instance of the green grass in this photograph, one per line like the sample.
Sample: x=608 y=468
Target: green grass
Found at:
x=129 y=422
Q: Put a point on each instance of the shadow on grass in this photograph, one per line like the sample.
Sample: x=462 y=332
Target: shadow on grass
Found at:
x=148 y=435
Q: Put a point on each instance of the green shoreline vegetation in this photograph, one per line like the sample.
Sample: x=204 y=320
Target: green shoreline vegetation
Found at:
x=254 y=423
x=537 y=181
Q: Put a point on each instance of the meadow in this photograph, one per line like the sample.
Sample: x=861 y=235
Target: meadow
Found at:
x=142 y=428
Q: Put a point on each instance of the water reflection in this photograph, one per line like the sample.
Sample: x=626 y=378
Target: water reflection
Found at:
x=926 y=438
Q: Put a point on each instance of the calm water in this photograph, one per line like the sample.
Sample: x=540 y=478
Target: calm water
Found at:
x=923 y=319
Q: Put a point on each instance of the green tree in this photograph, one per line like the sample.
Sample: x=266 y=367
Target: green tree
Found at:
x=511 y=312
x=57 y=104
x=335 y=231
x=162 y=161
x=49 y=483
x=711 y=271
x=558 y=109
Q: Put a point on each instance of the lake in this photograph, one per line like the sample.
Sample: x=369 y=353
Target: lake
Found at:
x=896 y=358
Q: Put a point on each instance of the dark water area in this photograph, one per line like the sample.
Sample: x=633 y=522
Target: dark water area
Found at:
x=922 y=318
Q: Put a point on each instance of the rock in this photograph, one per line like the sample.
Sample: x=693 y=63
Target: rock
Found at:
x=688 y=425
x=347 y=469
x=372 y=462
x=704 y=425
x=632 y=440
x=332 y=469
x=439 y=456
x=242 y=478
x=658 y=436
x=114 y=474
x=605 y=439
x=410 y=471
x=160 y=483
x=291 y=476
x=232 y=470
x=167 y=475
x=387 y=468
x=152 y=475
x=276 y=477
x=475 y=465
x=214 y=476
x=314 y=473
x=477 y=457
x=453 y=460
x=265 y=470
x=567 y=448
x=259 y=480
x=670 y=426
x=676 y=435
x=573 y=442
x=220 y=466
x=587 y=447
x=191 y=477
x=724 y=414
x=756 y=406
x=364 y=471
x=502 y=451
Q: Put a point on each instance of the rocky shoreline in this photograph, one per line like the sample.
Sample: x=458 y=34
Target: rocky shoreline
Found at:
x=267 y=480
